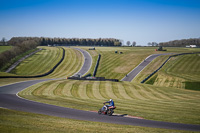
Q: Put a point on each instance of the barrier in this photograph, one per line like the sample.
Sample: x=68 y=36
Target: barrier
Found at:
x=164 y=64
x=97 y=64
x=93 y=79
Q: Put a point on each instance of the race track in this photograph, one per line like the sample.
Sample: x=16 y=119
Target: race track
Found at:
x=9 y=99
x=130 y=76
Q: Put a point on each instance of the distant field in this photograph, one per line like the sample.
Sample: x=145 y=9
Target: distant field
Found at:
x=116 y=66
x=147 y=101
x=4 y=48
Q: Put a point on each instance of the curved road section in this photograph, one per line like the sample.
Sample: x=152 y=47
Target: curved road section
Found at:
x=87 y=62
x=9 y=99
x=130 y=76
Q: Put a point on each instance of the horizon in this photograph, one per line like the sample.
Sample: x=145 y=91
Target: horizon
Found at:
x=141 y=21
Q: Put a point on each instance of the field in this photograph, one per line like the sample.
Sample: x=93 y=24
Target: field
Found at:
x=149 y=102
x=4 y=48
x=116 y=66
x=39 y=63
x=12 y=121
x=164 y=98
x=49 y=56
x=178 y=72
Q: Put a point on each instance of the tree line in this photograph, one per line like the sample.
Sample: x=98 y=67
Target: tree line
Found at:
x=44 y=41
x=181 y=43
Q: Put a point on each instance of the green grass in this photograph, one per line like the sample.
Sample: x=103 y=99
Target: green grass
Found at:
x=179 y=71
x=71 y=64
x=17 y=121
x=8 y=64
x=39 y=63
x=153 y=102
x=155 y=64
x=4 y=48
x=192 y=85
x=116 y=66
x=152 y=79
x=147 y=101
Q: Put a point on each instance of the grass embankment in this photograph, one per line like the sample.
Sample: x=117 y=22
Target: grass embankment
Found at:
x=16 y=121
x=45 y=60
x=4 y=48
x=116 y=66
x=179 y=72
x=12 y=61
x=71 y=64
x=155 y=64
x=147 y=101
x=39 y=63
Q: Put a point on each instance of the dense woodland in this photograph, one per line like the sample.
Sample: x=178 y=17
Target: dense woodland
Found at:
x=181 y=43
x=42 y=41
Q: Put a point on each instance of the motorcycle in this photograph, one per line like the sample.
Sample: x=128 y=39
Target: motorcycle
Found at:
x=106 y=110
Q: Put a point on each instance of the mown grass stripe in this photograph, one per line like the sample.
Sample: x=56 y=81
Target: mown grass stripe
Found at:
x=89 y=90
x=96 y=90
x=123 y=92
x=82 y=90
x=109 y=90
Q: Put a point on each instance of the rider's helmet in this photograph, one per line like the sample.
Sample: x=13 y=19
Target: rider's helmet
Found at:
x=110 y=100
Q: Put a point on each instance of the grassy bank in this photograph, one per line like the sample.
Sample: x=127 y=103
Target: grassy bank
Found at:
x=178 y=71
x=147 y=101
x=16 y=121
x=39 y=63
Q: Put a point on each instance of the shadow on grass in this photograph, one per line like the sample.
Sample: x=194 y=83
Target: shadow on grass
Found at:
x=192 y=85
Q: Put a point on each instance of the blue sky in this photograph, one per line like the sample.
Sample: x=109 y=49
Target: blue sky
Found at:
x=142 y=21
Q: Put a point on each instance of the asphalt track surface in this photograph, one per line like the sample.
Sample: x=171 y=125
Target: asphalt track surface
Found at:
x=87 y=62
x=10 y=100
x=130 y=76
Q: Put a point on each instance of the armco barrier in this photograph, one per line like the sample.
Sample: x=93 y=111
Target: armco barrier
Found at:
x=93 y=78
x=42 y=75
x=97 y=64
x=164 y=64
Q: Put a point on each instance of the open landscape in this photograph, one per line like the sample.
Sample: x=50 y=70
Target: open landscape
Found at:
x=100 y=66
x=160 y=102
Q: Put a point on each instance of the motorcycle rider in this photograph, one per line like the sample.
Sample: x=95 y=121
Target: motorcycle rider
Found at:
x=111 y=103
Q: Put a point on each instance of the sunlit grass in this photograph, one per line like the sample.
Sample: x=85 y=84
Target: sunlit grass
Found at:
x=147 y=101
x=17 y=121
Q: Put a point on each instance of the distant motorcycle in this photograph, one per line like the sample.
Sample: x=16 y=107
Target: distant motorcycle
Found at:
x=106 y=110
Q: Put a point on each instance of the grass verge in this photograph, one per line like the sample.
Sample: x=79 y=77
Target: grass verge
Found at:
x=22 y=122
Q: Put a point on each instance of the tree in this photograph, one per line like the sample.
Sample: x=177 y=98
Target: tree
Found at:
x=149 y=44
x=128 y=43
x=133 y=43
x=3 y=41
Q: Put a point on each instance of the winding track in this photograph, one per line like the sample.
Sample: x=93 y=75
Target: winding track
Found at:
x=9 y=99
x=130 y=76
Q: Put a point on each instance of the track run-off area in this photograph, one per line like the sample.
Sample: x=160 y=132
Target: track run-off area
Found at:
x=80 y=94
